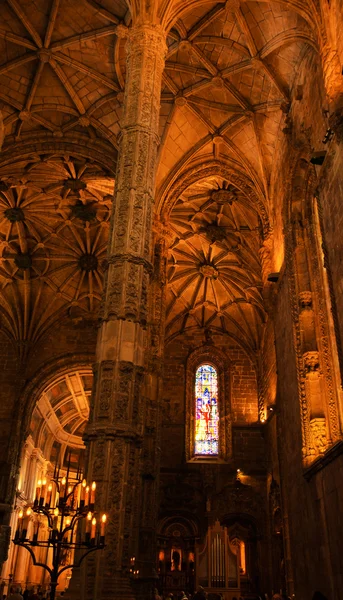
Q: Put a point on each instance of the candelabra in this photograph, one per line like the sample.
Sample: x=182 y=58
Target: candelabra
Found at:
x=63 y=502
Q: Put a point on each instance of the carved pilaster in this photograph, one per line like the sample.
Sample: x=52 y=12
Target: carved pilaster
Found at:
x=118 y=420
x=316 y=370
x=293 y=295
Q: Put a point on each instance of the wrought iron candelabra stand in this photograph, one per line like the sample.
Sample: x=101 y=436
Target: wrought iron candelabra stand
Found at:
x=64 y=502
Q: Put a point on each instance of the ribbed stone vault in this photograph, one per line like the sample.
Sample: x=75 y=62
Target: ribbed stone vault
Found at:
x=54 y=219
x=61 y=413
x=226 y=91
x=214 y=271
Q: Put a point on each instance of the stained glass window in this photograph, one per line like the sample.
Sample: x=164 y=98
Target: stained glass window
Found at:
x=206 y=411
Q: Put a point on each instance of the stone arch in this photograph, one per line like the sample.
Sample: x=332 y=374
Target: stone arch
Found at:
x=173 y=10
x=30 y=395
x=190 y=526
x=169 y=195
x=77 y=146
x=45 y=376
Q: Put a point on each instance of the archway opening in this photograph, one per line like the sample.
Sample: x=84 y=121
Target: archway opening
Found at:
x=54 y=441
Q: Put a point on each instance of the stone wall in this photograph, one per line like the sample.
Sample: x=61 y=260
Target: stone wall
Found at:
x=310 y=496
x=187 y=490
x=312 y=506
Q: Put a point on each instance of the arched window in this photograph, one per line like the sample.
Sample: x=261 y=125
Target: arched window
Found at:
x=206 y=440
x=208 y=431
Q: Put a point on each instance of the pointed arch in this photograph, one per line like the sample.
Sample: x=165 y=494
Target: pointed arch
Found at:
x=208 y=406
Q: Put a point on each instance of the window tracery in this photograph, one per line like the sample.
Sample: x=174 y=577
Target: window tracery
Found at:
x=206 y=407
x=208 y=410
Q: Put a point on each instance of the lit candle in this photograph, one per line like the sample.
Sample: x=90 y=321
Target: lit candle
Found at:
x=62 y=487
x=102 y=526
x=93 y=530
x=93 y=488
x=20 y=516
x=49 y=494
x=24 y=530
x=88 y=522
x=87 y=496
x=42 y=496
x=55 y=519
x=83 y=493
x=38 y=488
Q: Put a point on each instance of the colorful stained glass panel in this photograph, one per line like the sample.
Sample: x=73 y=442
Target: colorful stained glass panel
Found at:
x=206 y=411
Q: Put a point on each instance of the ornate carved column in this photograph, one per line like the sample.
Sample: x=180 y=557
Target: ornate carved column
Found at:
x=310 y=376
x=147 y=546
x=117 y=422
x=316 y=372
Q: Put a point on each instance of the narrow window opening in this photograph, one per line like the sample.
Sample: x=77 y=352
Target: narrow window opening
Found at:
x=206 y=411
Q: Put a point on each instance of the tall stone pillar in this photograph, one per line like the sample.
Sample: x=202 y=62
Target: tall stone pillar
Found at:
x=116 y=428
x=147 y=547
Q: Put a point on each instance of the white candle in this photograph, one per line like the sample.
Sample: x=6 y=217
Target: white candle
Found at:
x=93 y=530
x=103 y=524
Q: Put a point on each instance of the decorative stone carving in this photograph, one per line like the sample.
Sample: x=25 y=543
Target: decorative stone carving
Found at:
x=122 y=31
x=238 y=498
x=319 y=435
x=311 y=362
x=215 y=233
x=305 y=300
x=209 y=271
x=75 y=185
x=317 y=394
x=117 y=421
x=84 y=212
x=14 y=215
x=23 y=261
x=88 y=262
x=225 y=196
x=180 y=101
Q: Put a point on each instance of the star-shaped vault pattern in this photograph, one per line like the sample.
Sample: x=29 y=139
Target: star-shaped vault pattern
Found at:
x=229 y=72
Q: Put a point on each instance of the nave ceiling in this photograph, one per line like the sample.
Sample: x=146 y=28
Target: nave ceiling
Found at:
x=227 y=83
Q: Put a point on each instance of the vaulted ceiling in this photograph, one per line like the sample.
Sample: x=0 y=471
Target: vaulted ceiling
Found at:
x=227 y=85
x=61 y=414
x=214 y=271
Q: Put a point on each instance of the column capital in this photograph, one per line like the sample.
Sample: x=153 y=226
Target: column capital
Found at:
x=145 y=32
